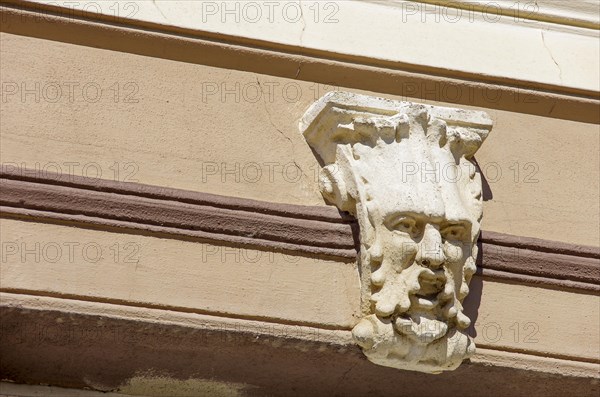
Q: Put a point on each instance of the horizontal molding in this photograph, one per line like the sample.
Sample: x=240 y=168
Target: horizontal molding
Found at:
x=536 y=244
x=303 y=230
x=178 y=213
x=299 y=63
x=537 y=45
x=536 y=261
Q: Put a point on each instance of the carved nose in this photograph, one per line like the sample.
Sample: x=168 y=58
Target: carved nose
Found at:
x=431 y=252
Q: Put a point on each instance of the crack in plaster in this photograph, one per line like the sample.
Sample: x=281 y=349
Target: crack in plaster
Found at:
x=280 y=131
x=551 y=56
x=159 y=10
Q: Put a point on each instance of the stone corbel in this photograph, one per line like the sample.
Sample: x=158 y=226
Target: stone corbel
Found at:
x=406 y=172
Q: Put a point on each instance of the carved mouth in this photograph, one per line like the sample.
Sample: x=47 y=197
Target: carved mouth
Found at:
x=427 y=302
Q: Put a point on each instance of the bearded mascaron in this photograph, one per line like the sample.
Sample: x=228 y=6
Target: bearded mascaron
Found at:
x=405 y=171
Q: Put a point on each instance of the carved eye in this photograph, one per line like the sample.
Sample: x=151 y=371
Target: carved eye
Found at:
x=454 y=232
x=405 y=224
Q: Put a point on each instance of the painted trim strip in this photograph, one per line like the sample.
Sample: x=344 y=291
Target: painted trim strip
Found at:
x=303 y=230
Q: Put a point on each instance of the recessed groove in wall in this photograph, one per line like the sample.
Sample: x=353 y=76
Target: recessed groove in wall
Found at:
x=538 y=354
x=91 y=334
x=316 y=231
x=333 y=69
x=129 y=303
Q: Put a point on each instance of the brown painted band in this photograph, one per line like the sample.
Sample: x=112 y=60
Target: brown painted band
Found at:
x=340 y=254
x=175 y=214
x=536 y=244
x=540 y=263
x=498 y=275
x=212 y=220
x=185 y=196
x=217 y=50
x=322 y=231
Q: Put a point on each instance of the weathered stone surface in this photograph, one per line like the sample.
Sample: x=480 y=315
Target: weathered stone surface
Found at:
x=405 y=171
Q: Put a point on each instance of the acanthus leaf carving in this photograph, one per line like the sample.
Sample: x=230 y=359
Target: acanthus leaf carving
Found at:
x=406 y=172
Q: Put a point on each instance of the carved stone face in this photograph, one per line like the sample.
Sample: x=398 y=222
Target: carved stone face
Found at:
x=418 y=247
x=405 y=171
x=428 y=251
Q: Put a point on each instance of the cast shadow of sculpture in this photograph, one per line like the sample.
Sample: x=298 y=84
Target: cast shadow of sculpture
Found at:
x=486 y=190
x=473 y=300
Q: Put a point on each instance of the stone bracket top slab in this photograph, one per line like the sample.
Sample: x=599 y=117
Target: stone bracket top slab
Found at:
x=377 y=106
x=338 y=110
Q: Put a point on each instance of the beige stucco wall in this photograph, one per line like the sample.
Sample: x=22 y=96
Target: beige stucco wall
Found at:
x=161 y=122
x=182 y=275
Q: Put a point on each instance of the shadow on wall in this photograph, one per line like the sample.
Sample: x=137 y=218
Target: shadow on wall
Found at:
x=473 y=300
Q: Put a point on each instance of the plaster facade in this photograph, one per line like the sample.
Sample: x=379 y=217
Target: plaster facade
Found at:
x=201 y=305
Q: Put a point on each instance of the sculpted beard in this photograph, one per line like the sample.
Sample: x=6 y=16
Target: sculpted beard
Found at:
x=423 y=302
